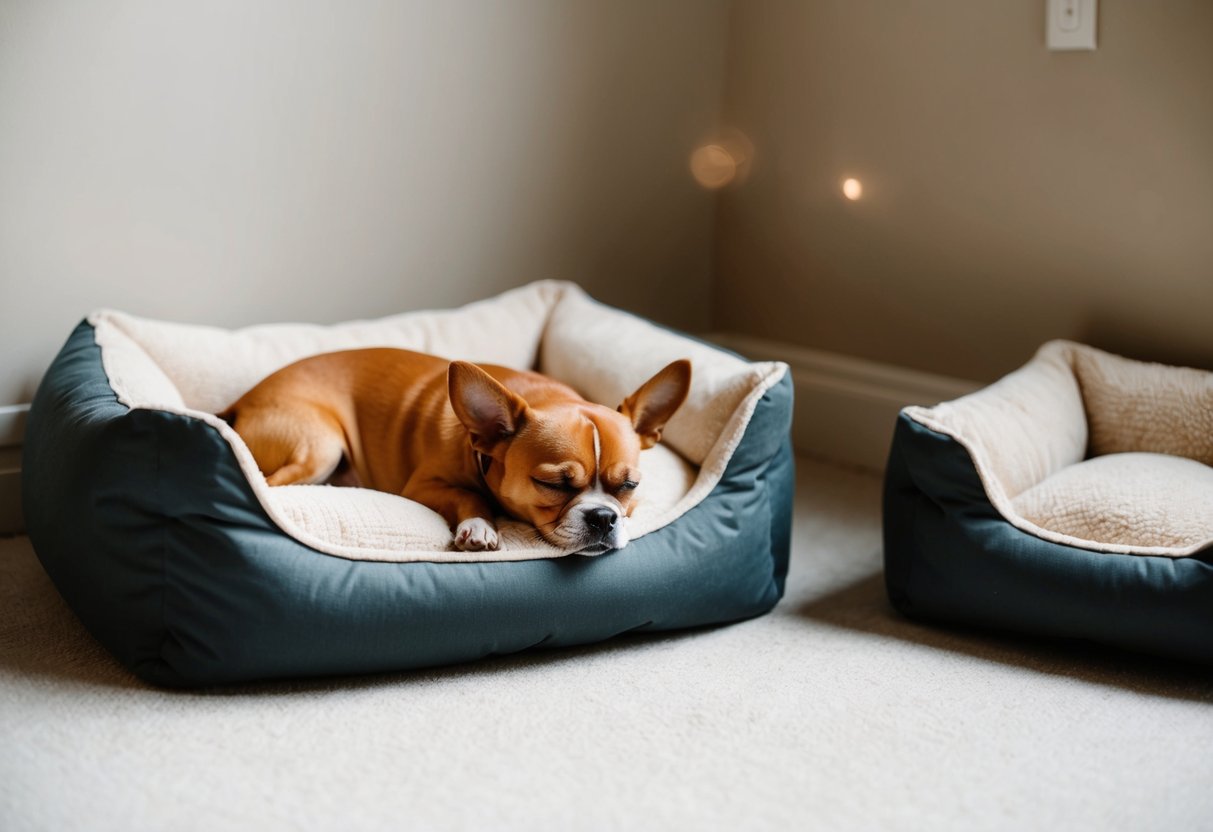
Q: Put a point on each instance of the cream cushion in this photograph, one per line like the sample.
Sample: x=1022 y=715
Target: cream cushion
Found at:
x=1128 y=499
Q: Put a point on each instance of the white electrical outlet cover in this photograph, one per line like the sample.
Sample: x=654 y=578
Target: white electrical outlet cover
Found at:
x=1070 y=24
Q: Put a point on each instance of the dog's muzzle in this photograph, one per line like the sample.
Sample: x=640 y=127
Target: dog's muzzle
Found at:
x=599 y=528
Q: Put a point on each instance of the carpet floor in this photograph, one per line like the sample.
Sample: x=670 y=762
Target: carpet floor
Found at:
x=832 y=712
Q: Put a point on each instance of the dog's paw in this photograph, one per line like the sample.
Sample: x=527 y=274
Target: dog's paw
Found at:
x=475 y=535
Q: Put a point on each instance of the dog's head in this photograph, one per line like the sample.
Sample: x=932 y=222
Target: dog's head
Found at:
x=567 y=466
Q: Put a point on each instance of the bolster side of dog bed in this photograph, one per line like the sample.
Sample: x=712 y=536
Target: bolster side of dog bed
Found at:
x=89 y=470
x=950 y=556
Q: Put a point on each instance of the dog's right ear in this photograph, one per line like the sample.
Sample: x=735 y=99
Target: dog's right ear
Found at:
x=490 y=412
x=650 y=407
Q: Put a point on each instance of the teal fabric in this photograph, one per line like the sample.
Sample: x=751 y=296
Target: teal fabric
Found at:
x=950 y=556
x=149 y=529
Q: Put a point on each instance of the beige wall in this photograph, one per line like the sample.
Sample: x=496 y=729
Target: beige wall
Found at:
x=238 y=162
x=1012 y=194
x=231 y=163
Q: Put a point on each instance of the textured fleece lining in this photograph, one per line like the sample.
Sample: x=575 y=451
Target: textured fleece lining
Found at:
x=1148 y=428
x=550 y=326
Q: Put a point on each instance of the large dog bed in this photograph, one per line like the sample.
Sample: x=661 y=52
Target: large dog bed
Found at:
x=1072 y=498
x=153 y=521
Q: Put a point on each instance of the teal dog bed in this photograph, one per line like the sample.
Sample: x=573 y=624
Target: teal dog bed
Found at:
x=1072 y=498
x=152 y=520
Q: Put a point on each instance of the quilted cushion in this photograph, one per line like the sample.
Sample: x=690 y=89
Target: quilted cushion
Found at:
x=1135 y=499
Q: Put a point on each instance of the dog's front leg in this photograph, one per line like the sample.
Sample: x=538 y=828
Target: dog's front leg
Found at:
x=466 y=512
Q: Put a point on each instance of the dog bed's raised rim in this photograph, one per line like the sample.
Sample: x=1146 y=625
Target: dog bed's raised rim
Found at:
x=1070 y=403
x=552 y=326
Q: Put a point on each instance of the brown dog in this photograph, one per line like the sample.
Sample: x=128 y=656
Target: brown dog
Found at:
x=459 y=438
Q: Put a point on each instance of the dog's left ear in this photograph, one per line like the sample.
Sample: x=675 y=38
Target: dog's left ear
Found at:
x=650 y=407
x=490 y=412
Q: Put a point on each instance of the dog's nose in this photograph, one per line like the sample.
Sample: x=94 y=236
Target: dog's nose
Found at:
x=601 y=519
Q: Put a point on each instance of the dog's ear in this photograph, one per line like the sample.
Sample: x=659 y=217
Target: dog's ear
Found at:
x=491 y=413
x=650 y=407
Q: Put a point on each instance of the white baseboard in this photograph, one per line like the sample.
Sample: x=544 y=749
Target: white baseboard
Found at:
x=846 y=407
x=12 y=433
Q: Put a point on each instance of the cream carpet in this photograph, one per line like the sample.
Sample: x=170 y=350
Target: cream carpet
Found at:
x=830 y=713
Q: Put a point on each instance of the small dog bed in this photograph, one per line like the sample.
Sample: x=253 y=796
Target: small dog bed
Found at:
x=151 y=516
x=1072 y=498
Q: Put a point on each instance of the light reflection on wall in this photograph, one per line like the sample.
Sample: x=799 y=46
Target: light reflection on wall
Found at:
x=721 y=160
x=712 y=166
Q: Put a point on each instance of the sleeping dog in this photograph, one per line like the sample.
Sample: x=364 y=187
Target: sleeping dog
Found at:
x=461 y=439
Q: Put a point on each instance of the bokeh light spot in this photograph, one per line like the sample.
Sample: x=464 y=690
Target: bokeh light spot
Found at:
x=713 y=166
